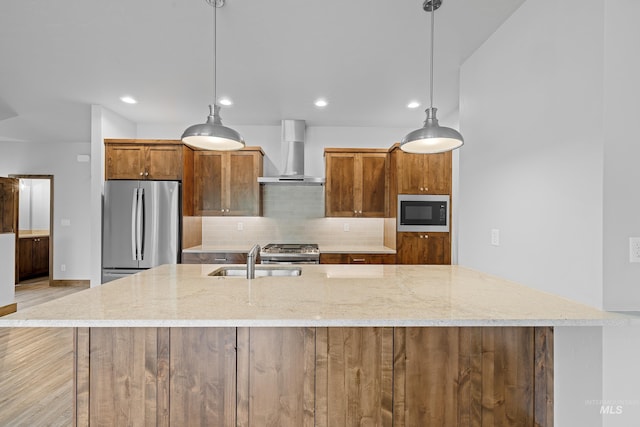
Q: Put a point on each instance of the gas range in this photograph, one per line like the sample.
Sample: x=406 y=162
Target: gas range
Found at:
x=290 y=253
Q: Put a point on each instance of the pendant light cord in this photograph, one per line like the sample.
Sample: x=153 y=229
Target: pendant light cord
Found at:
x=431 y=63
x=215 y=62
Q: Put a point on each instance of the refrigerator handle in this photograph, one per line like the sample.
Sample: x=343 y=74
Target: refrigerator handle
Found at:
x=134 y=208
x=140 y=222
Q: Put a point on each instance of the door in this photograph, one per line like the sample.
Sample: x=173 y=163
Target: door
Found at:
x=373 y=174
x=161 y=225
x=243 y=193
x=208 y=183
x=341 y=185
x=119 y=224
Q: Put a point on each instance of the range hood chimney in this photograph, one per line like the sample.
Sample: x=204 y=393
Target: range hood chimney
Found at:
x=292 y=155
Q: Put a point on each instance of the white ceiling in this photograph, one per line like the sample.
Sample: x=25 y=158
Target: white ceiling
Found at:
x=368 y=58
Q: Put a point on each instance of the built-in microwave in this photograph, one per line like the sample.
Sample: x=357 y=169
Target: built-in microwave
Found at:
x=423 y=212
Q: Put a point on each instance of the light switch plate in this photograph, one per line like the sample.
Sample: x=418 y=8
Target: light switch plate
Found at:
x=345 y=226
x=634 y=249
x=495 y=237
x=240 y=226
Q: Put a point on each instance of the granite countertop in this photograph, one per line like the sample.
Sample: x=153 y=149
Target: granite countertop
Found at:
x=219 y=249
x=362 y=249
x=349 y=249
x=185 y=295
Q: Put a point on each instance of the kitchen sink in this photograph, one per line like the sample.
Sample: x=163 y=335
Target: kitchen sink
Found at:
x=260 y=272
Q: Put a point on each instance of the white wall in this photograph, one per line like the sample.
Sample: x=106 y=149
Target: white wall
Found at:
x=621 y=153
x=71 y=197
x=7 y=268
x=34 y=204
x=531 y=112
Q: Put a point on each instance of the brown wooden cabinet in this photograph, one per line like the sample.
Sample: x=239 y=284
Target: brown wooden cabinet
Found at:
x=423 y=173
x=214 y=258
x=226 y=183
x=143 y=159
x=356 y=182
x=306 y=376
x=9 y=190
x=356 y=258
x=33 y=257
x=423 y=248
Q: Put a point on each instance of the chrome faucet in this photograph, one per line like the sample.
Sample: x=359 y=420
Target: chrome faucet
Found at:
x=251 y=261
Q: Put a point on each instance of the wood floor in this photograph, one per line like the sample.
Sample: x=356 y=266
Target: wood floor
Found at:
x=36 y=375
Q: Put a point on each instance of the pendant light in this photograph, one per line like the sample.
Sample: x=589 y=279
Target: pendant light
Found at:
x=431 y=138
x=212 y=135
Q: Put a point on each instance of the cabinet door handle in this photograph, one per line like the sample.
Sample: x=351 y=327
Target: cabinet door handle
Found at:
x=220 y=259
x=141 y=173
x=146 y=174
x=358 y=260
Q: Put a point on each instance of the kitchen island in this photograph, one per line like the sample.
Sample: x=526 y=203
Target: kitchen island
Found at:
x=338 y=345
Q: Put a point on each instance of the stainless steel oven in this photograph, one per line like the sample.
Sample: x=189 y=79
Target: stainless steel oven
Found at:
x=290 y=253
x=423 y=212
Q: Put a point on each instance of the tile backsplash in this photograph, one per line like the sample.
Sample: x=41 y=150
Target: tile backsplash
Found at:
x=217 y=231
x=292 y=214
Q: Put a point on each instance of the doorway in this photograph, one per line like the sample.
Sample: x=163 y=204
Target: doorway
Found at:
x=34 y=240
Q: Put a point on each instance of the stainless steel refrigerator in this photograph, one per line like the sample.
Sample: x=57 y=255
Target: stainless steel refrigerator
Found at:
x=141 y=226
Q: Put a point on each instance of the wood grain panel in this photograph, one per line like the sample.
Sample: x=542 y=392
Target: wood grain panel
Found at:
x=340 y=188
x=9 y=193
x=191 y=231
x=374 y=168
x=81 y=377
x=466 y=377
x=163 y=378
x=543 y=374
x=357 y=376
x=281 y=377
x=208 y=183
x=203 y=376
x=423 y=248
x=243 y=375
x=124 y=161
x=163 y=162
x=125 y=362
x=243 y=197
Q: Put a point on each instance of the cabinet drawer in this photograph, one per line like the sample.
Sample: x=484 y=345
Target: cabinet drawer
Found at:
x=213 y=258
x=349 y=258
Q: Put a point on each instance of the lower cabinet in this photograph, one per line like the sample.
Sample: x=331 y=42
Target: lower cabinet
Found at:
x=306 y=376
x=214 y=258
x=423 y=248
x=33 y=257
x=347 y=258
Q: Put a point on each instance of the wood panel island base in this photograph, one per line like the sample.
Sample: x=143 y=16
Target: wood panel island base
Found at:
x=339 y=345
x=360 y=376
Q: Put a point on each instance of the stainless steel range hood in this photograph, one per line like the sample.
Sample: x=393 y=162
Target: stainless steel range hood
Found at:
x=292 y=155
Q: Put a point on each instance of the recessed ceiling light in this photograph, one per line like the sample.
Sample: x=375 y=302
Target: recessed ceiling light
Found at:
x=225 y=101
x=321 y=103
x=413 y=104
x=128 y=100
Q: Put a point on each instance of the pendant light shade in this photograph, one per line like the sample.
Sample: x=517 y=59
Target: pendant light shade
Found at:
x=213 y=135
x=431 y=138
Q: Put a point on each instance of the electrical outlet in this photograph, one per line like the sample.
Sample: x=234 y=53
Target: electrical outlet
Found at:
x=634 y=249
x=345 y=227
x=65 y=222
x=240 y=226
x=63 y=267
x=495 y=237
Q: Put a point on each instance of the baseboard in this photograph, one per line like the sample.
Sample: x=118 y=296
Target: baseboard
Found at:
x=69 y=283
x=8 y=309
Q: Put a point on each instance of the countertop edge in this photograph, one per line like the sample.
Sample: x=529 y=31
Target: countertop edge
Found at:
x=301 y=323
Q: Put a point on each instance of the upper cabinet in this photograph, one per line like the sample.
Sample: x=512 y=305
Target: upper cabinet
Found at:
x=226 y=182
x=356 y=182
x=143 y=159
x=423 y=173
x=9 y=188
